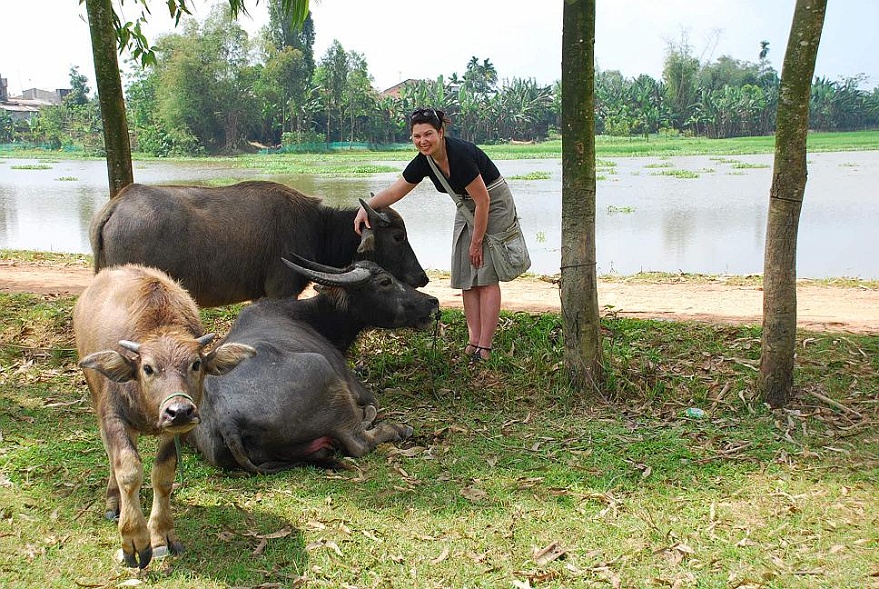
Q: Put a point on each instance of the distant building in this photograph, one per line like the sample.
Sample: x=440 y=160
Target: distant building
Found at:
x=30 y=102
x=52 y=97
x=396 y=89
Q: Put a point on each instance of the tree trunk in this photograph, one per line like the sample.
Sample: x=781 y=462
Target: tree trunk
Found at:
x=579 y=284
x=110 y=96
x=785 y=202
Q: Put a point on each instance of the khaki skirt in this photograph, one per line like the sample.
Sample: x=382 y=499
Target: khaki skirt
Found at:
x=501 y=214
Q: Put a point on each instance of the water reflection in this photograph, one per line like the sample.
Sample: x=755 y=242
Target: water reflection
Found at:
x=645 y=221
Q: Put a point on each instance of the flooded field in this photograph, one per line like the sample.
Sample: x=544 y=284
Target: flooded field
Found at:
x=695 y=214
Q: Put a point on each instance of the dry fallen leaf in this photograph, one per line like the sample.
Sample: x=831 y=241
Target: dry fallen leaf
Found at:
x=473 y=494
x=282 y=533
x=260 y=547
x=548 y=554
x=442 y=556
x=406 y=452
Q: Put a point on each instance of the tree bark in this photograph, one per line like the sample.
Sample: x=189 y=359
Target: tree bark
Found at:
x=785 y=203
x=579 y=284
x=110 y=96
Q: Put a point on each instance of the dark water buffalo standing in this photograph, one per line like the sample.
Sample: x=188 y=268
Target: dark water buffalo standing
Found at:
x=225 y=244
x=297 y=401
x=141 y=347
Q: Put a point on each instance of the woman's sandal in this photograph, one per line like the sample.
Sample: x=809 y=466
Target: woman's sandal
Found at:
x=477 y=356
x=468 y=353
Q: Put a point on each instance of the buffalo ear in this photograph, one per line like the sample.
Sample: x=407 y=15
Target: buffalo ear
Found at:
x=111 y=364
x=226 y=357
x=367 y=241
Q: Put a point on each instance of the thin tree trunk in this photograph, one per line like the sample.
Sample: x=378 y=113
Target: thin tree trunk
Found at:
x=110 y=96
x=579 y=284
x=785 y=203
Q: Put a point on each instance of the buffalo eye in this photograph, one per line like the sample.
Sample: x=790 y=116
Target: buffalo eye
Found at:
x=196 y=366
x=147 y=369
x=400 y=237
x=385 y=282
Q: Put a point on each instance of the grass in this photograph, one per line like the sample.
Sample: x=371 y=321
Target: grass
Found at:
x=687 y=174
x=352 y=162
x=31 y=167
x=532 y=176
x=511 y=478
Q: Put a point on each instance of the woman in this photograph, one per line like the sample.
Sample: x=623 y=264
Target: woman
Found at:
x=482 y=189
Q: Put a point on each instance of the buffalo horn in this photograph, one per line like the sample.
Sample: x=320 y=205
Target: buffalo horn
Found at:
x=316 y=266
x=329 y=276
x=206 y=339
x=129 y=345
x=375 y=215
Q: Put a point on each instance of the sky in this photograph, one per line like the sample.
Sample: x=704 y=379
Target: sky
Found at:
x=41 y=39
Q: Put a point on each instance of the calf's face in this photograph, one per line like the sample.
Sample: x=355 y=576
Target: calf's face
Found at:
x=169 y=371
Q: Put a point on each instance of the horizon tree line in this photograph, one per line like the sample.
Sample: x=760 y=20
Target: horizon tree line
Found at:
x=212 y=90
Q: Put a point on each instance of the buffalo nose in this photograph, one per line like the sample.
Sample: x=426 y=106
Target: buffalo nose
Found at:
x=178 y=412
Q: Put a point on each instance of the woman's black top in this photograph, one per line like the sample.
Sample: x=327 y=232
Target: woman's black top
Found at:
x=466 y=161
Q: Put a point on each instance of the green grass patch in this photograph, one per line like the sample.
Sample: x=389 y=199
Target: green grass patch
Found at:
x=747 y=166
x=686 y=174
x=532 y=176
x=45 y=258
x=611 y=209
x=31 y=167
x=655 y=145
x=511 y=478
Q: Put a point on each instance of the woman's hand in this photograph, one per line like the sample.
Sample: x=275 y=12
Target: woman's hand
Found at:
x=476 y=254
x=361 y=219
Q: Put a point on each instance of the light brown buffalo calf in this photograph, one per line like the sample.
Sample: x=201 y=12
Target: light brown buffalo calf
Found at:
x=141 y=347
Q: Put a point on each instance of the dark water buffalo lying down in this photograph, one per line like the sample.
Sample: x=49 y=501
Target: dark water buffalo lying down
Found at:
x=297 y=401
x=141 y=347
x=225 y=244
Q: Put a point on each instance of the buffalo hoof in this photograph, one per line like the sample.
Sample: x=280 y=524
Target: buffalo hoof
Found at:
x=405 y=433
x=369 y=415
x=141 y=560
x=111 y=515
x=162 y=551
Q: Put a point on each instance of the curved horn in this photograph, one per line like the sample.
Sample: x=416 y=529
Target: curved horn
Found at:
x=310 y=265
x=129 y=345
x=206 y=339
x=350 y=277
x=375 y=215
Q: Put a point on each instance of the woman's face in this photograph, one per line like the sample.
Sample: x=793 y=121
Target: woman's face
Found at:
x=427 y=140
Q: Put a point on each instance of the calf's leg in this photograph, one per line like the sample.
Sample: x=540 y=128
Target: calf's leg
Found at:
x=127 y=467
x=161 y=523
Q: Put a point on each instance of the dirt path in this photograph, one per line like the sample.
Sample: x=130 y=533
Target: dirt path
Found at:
x=820 y=308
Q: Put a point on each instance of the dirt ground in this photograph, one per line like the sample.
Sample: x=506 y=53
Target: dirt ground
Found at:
x=820 y=308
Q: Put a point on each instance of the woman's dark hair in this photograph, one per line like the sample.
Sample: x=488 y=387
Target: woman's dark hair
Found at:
x=434 y=117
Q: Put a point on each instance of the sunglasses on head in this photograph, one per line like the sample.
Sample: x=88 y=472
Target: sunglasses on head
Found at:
x=422 y=115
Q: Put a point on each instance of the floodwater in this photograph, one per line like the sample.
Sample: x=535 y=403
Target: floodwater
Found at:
x=647 y=218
